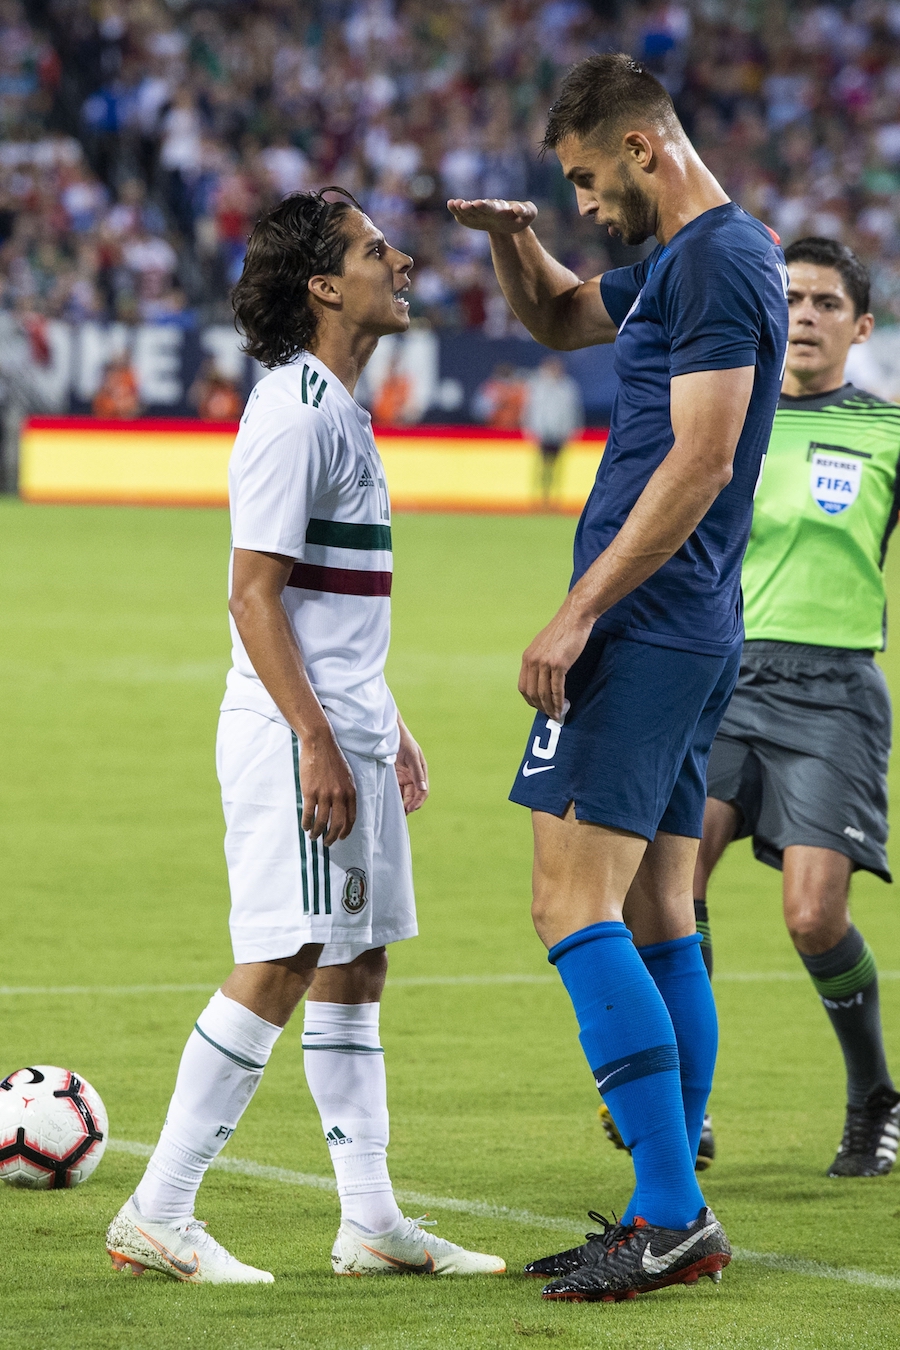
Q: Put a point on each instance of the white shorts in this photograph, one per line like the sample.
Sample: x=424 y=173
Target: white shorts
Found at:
x=287 y=889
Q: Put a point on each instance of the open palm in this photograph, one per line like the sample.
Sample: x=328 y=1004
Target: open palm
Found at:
x=493 y=214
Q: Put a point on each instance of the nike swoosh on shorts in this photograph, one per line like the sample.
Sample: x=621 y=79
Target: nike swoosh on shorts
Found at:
x=527 y=770
x=657 y=1265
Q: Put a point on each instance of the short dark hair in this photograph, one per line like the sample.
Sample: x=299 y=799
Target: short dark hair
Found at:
x=301 y=237
x=829 y=253
x=600 y=94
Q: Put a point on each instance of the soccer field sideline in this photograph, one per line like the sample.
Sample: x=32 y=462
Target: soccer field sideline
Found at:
x=483 y=1210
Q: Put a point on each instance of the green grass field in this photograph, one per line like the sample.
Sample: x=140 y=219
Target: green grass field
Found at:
x=113 y=649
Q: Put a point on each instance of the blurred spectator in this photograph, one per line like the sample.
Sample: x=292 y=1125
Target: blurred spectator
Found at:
x=554 y=414
x=215 y=396
x=142 y=171
x=500 y=402
x=118 y=395
x=392 y=403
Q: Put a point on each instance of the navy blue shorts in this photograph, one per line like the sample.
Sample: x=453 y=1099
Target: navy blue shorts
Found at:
x=632 y=750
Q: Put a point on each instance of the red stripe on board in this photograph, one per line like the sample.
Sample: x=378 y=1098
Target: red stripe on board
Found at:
x=340 y=580
x=193 y=424
x=181 y=424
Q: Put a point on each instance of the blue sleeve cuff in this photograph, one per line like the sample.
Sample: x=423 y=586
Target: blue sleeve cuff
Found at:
x=594 y=930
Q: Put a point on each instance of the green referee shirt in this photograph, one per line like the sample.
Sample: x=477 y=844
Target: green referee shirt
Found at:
x=825 y=507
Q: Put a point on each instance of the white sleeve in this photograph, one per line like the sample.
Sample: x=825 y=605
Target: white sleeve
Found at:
x=279 y=467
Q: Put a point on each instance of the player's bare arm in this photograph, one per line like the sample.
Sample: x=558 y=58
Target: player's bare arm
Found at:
x=707 y=410
x=412 y=771
x=329 y=792
x=555 y=305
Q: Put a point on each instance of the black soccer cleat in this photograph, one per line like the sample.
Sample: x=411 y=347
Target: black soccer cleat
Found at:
x=871 y=1135
x=637 y=1258
x=706 y=1151
x=564 y=1263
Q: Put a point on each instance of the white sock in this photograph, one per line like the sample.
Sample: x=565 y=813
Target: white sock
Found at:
x=220 y=1070
x=344 y=1065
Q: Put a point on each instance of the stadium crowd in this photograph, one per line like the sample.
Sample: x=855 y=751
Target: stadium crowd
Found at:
x=139 y=138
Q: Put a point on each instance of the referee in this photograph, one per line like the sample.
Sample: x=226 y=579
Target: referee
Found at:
x=800 y=761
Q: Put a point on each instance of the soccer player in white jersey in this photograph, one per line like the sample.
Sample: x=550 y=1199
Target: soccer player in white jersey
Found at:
x=315 y=763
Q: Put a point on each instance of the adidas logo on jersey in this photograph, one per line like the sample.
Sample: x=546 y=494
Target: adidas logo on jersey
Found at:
x=336 y=1136
x=365 y=478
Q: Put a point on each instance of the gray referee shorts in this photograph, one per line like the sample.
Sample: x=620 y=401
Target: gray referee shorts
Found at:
x=802 y=752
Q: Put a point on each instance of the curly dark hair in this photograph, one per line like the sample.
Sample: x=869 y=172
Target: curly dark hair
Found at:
x=302 y=237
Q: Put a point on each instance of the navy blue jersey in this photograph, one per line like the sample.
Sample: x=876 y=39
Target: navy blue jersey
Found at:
x=713 y=298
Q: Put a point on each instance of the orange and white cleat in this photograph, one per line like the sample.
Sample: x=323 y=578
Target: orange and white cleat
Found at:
x=183 y=1250
x=406 y=1250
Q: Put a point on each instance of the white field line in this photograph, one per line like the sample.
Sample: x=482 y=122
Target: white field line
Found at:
x=791 y=1265
x=796 y=1265
x=113 y=989
x=401 y=982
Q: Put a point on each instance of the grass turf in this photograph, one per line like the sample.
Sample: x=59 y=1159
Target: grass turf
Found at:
x=113 y=648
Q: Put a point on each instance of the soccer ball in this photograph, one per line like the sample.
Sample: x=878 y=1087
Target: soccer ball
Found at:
x=53 y=1128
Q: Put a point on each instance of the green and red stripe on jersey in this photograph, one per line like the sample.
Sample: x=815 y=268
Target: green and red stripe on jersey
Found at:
x=344 y=580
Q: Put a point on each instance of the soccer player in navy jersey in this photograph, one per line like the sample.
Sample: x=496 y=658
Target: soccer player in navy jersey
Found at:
x=632 y=675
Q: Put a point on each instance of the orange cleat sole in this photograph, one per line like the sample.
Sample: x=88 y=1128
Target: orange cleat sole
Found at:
x=126 y=1264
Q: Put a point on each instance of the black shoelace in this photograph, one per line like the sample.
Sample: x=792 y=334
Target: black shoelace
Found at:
x=613 y=1232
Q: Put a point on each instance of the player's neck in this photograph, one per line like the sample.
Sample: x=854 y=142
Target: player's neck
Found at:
x=345 y=354
x=808 y=384
x=688 y=190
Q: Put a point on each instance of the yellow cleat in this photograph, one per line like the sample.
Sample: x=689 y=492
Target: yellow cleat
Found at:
x=705 y=1153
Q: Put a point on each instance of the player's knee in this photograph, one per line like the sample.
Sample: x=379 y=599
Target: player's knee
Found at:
x=365 y=975
x=373 y=963
x=543 y=907
x=809 y=926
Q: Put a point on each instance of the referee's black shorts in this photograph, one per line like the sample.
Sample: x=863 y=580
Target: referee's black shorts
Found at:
x=802 y=752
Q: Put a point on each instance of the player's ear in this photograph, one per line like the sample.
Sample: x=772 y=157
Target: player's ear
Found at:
x=864 y=325
x=637 y=148
x=324 y=289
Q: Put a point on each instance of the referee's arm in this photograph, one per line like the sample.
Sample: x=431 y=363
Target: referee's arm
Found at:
x=708 y=408
x=557 y=307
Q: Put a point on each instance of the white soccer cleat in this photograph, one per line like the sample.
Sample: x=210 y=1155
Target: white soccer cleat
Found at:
x=183 y=1250
x=406 y=1250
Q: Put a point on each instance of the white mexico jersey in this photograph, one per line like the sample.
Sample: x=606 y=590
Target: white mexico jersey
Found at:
x=305 y=480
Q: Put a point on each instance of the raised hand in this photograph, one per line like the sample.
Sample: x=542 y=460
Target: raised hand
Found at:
x=493 y=214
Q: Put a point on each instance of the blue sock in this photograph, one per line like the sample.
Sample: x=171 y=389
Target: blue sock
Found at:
x=627 y=1035
x=679 y=973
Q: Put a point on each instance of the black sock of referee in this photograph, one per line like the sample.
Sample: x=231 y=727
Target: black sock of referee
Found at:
x=701 y=914
x=846 y=980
